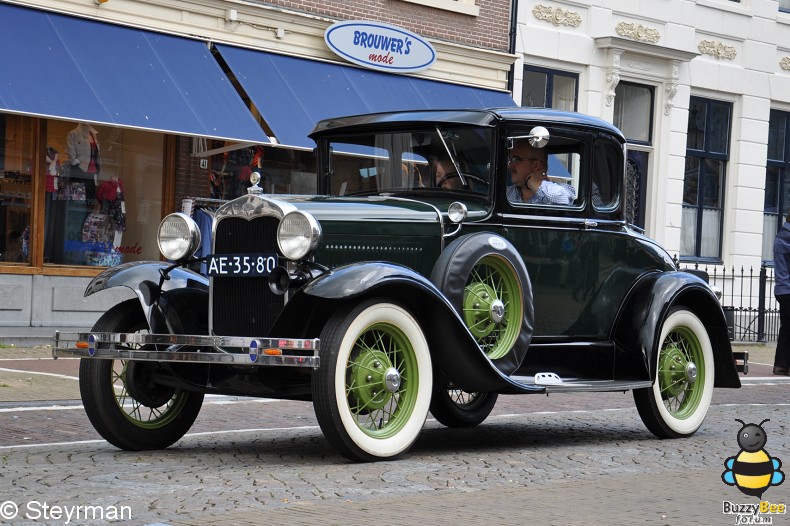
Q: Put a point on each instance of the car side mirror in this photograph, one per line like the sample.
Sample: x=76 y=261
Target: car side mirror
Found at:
x=538 y=138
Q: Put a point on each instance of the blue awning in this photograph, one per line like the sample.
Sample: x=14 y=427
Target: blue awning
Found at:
x=292 y=94
x=77 y=69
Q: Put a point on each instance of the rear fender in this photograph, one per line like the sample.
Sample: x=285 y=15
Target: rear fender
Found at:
x=179 y=306
x=454 y=350
x=641 y=318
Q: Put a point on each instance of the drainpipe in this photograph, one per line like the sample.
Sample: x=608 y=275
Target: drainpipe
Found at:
x=512 y=43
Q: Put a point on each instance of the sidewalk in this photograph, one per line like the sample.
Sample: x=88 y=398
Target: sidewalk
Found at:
x=30 y=374
x=33 y=336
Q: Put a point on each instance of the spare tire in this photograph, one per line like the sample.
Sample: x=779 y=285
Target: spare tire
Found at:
x=486 y=281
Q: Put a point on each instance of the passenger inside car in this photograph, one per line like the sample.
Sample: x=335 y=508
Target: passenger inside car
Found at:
x=528 y=172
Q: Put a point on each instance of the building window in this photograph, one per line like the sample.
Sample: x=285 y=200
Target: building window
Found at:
x=466 y=7
x=546 y=88
x=103 y=193
x=17 y=154
x=633 y=114
x=777 y=179
x=784 y=5
x=707 y=152
x=101 y=188
x=282 y=171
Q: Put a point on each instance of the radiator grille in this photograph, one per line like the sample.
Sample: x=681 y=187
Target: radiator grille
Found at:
x=244 y=306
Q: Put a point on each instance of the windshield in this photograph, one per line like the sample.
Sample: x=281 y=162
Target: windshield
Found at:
x=437 y=159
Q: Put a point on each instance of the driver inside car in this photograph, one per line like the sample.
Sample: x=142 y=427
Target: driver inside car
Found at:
x=444 y=174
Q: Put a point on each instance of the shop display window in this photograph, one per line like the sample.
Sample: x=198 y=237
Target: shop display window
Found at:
x=282 y=170
x=210 y=172
x=16 y=189
x=103 y=194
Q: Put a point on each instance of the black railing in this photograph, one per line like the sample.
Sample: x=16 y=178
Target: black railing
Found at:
x=748 y=299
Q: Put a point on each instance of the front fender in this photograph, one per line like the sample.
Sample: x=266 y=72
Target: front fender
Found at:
x=454 y=350
x=642 y=315
x=179 y=306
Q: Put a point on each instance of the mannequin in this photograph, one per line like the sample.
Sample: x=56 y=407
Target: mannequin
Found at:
x=111 y=196
x=53 y=211
x=82 y=145
x=53 y=169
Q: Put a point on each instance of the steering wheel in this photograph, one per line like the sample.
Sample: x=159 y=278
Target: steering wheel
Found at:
x=465 y=179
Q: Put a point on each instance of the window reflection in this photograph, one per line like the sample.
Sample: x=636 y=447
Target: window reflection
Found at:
x=546 y=88
x=103 y=193
x=777 y=180
x=633 y=108
x=16 y=188
x=703 y=183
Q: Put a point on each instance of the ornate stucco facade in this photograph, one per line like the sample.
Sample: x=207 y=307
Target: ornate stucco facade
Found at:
x=736 y=52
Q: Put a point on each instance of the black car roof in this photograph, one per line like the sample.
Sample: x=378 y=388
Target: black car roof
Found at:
x=483 y=117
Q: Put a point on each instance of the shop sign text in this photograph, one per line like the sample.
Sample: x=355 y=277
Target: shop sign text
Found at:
x=380 y=46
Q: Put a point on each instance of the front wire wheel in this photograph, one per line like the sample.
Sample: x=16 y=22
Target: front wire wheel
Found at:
x=159 y=407
x=493 y=305
x=372 y=390
x=457 y=408
x=680 y=397
x=121 y=399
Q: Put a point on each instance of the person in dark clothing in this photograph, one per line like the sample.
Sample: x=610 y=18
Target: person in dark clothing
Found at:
x=782 y=293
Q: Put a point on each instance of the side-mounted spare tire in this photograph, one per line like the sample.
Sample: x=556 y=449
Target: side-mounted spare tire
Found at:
x=484 y=278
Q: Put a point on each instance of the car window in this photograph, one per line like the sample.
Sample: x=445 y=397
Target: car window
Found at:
x=607 y=176
x=435 y=158
x=548 y=176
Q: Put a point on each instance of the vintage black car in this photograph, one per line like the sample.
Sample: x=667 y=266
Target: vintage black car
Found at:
x=391 y=293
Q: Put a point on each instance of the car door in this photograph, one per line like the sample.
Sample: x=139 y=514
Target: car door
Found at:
x=573 y=253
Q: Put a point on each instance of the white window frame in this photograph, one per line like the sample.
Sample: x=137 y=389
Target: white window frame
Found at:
x=465 y=7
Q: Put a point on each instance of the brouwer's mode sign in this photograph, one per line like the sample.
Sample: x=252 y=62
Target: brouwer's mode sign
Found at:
x=380 y=46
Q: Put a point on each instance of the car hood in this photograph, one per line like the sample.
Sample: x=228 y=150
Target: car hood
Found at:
x=399 y=230
x=378 y=208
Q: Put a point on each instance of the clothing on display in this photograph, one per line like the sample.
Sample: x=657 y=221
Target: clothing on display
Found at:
x=102 y=230
x=53 y=170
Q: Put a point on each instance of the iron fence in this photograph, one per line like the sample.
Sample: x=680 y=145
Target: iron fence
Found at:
x=750 y=307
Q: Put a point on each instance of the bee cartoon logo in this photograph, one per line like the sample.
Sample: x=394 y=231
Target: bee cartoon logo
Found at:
x=752 y=470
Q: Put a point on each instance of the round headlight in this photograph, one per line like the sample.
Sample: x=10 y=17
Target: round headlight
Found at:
x=456 y=212
x=178 y=237
x=298 y=235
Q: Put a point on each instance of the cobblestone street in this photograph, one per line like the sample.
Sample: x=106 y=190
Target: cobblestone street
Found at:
x=563 y=459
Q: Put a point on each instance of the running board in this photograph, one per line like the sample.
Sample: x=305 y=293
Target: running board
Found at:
x=551 y=383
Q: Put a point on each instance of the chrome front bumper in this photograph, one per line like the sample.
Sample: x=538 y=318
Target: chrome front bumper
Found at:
x=290 y=352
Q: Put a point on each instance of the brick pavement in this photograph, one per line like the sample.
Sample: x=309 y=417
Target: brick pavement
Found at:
x=613 y=500
x=53 y=379
x=581 y=468
x=527 y=469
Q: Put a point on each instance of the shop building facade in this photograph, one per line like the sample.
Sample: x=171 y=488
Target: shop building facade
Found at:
x=701 y=89
x=120 y=112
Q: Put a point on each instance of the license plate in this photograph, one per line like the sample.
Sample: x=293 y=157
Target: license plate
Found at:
x=241 y=265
